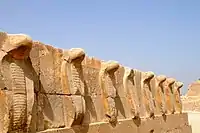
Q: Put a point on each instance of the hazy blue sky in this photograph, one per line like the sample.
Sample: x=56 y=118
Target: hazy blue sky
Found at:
x=162 y=36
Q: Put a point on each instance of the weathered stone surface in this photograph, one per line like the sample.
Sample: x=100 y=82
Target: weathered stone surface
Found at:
x=168 y=87
x=5 y=104
x=66 y=91
x=157 y=125
x=177 y=98
x=91 y=69
x=147 y=98
x=109 y=92
x=158 y=94
x=94 y=109
x=50 y=112
x=193 y=89
x=73 y=72
x=17 y=77
x=74 y=110
x=50 y=69
x=131 y=91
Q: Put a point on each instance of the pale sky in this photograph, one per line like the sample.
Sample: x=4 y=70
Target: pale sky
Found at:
x=150 y=35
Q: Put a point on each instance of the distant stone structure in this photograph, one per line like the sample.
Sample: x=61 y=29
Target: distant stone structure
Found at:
x=191 y=105
x=50 y=90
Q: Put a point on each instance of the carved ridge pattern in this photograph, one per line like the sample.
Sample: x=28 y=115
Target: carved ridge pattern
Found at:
x=19 y=97
x=77 y=83
x=108 y=89
x=130 y=92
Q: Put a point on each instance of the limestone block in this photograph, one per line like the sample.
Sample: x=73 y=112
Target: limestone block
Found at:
x=158 y=94
x=50 y=112
x=59 y=130
x=50 y=69
x=119 y=74
x=72 y=72
x=91 y=69
x=156 y=125
x=191 y=104
x=138 y=78
x=5 y=104
x=94 y=109
x=126 y=125
x=169 y=99
x=170 y=123
x=123 y=108
x=129 y=82
x=147 y=98
x=108 y=86
x=194 y=119
x=18 y=81
x=74 y=110
x=193 y=89
x=35 y=56
x=176 y=91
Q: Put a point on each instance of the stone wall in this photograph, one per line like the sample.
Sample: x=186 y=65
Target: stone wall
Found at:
x=191 y=105
x=76 y=93
x=191 y=101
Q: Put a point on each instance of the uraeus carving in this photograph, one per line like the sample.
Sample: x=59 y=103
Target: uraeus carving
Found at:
x=131 y=91
x=73 y=86
x=176 y=89
x=147 y=97
x=159 y=95
x=168 y=91
x=108 y=88
x=18 y=86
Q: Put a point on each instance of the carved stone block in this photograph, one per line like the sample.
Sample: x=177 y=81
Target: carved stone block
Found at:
x=91 y=69
x=109 y=92
x=50 y=112
x=18 y=82
x=138 y=78
x=74 y=110
x=72 y=72
x=5 y=104
x=50 y=69
x=129 y=83
x=168 y=91
x=123 y=108
x=176 y=90
x=94 y=109
x=147 y=97
x=158 y=94
x=119 y=74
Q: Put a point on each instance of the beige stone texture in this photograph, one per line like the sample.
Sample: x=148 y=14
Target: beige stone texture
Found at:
x=172 y=124
x=193 y=89
x=168 y=87
x=50 y=60
x=158 y=94
x=147 y=97
x=70 y=92
x=194 y=120
x=130 y=90
x=107 y=79
x=177 y=97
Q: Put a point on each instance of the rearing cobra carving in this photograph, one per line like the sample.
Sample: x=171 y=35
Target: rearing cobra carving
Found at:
x=15 y=49
x=106 y=77
x=73 y=85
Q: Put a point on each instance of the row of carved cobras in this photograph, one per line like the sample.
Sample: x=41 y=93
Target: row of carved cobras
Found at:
x=144 y=100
